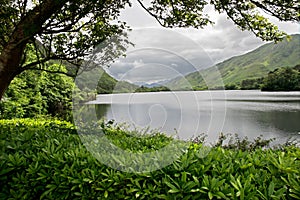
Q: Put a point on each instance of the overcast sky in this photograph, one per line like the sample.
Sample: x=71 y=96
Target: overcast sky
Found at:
x=160 y=54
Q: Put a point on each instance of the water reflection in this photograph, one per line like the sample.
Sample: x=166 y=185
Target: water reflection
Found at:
x=287 y=121
x=101 y=110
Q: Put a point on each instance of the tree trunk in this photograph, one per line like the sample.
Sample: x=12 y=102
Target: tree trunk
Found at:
x=10 y=60
x=4 y=83
x=27 y=28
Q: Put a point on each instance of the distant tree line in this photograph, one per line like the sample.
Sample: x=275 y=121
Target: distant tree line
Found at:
x=280 y=79
x=152 y=89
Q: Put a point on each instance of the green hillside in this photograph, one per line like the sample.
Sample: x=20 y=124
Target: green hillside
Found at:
x=254 y=64
x=108 y=84
x=105 y=85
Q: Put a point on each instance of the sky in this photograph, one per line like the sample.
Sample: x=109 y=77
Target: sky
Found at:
x=161 y=54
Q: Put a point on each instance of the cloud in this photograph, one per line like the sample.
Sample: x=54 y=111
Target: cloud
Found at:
x=159 y=47
x=154 y=63
x=183 y=50
x=150 y=73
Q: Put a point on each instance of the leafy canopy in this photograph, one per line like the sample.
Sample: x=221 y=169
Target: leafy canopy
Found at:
x=59 y=30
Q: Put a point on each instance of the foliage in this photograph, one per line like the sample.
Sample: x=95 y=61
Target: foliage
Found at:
x=231 y=87
x=23 y=98
x=108 y=85
x=249 y=67
x=152 y=89
x=42 y=159
x=249 y=84
x=244 y=14
x=34 y=93
x=243 y=144
x=64 y=29
x=282 y=79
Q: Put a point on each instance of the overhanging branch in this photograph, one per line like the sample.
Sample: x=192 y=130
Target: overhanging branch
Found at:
x=153 y=15
x=274 y=13
x=52 y=72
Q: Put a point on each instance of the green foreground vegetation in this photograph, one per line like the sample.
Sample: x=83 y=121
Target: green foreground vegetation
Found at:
x=45 y=159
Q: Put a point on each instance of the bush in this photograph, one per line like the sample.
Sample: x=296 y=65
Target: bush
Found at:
x=282 y=79
x=250 y=84
x=36 y=93
x=231 y=87
x=45 y=159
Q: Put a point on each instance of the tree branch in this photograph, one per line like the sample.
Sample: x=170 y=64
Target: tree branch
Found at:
x=268 y=11
x=153 y=15
x=44 y=60
x=23 y=8
x=52 y=72
x=32 y=23
x=37 y=51
x=174 y=10
x=32 y=64
x=67 y=29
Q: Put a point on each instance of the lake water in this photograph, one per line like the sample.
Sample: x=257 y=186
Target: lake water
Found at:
x=188 y=114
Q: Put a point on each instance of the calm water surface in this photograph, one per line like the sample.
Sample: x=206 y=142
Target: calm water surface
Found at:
x=187 y=114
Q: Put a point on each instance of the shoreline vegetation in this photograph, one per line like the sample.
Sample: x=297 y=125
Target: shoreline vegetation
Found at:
x=45 y=159
x=280 y=79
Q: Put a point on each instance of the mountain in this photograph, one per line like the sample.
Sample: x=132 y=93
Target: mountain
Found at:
x=104 y=84
x=252 y=65
x=108 y=85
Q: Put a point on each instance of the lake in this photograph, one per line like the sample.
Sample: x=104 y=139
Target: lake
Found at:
x=188 y=114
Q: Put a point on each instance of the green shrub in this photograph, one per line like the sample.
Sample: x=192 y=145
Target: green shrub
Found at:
x=45 y=159
x=231 y=87
x=36 y=93
x=282 y=79
x=252 y=83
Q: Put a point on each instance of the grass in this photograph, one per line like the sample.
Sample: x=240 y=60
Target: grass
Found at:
x=46 y=159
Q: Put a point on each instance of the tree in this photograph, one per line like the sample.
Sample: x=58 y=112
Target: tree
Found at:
x=252 y=83
x=282 y=79
x=68 y=30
